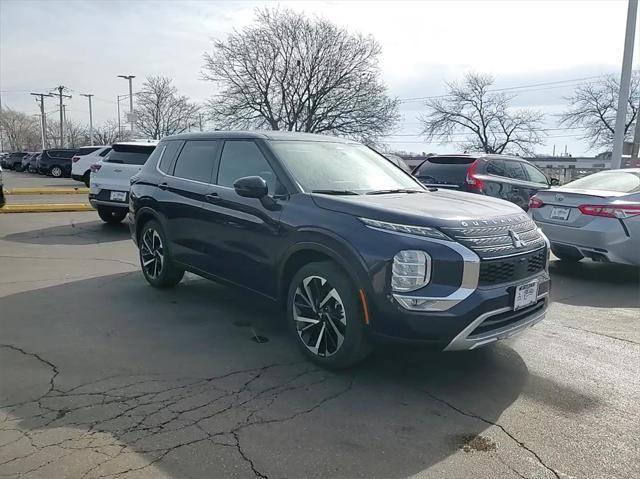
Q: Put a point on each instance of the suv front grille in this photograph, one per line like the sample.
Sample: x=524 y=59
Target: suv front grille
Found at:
x=498 y=238
x=511 y=269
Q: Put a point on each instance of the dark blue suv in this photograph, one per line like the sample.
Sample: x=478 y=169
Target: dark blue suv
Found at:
x=349 y=244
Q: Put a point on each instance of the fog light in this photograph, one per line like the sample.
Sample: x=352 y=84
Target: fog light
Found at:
x=411 y=270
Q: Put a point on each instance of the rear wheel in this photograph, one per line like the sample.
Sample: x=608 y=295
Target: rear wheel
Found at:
x=325 y=316
x=155 y=259
x=111 y=215
x=56 y=171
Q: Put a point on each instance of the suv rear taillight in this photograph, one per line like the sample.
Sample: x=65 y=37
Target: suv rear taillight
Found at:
x=95 y=167
x=75 y=158
x=535 y=202
x=621 y=212
x=472 y=180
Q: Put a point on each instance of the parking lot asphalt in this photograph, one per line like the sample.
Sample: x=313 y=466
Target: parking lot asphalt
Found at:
x=13 y=179
x=104 y=376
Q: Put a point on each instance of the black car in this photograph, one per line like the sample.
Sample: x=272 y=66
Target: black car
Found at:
x=26 y=160
x=352 y=247
x=56 y=162
x=32 y=167
x=14 y=160
x=501 y=176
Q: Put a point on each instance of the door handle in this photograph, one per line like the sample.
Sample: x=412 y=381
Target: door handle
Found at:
x=515 y=189
x=213 y=198
x=163 y=186
x=117 y=171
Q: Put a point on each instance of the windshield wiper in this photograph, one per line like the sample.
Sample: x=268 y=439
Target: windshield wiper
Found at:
x=399 y=190
x=335 y=192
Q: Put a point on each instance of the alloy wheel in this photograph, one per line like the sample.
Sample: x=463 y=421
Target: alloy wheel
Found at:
x=56 y=172
x=319 y=316
x=152 y=253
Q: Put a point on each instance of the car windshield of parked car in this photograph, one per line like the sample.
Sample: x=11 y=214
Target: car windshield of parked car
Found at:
x=616 y=181
x=340 y=167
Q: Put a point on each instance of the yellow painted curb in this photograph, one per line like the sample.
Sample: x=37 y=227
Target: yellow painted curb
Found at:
x=47 y=191
x=42 y=208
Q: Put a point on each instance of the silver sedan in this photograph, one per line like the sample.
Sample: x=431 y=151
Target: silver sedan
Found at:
x=595 y=217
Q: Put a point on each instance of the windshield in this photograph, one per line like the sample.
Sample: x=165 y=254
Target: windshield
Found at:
x=349 y=167
x=617 y=181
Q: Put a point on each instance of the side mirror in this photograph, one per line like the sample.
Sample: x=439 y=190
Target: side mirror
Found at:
x=554 y=182
x=251 y=187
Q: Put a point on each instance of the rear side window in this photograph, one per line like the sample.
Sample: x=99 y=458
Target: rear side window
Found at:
x=104 y=152
x=514 y=170
x=196 y=160
x=445 y=170
x=86 y=151
x=129 y=154
x=496 y=167
x=171 y=148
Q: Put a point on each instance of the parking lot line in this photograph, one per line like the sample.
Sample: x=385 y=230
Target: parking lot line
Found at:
x=45 y=208
x=46 y=191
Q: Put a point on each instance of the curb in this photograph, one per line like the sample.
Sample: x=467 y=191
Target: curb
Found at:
x=44 y=208
x=47 y=191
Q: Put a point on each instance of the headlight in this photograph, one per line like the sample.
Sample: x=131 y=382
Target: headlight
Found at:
x=408 y=229
x=411 y=270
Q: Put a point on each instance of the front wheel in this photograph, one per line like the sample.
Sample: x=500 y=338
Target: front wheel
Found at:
x=155 y=260
x=326 y=316
x=111 y=215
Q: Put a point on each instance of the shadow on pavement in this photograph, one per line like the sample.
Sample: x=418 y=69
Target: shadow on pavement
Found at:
x=91 y=232
x=109 y=375
x=602 y=285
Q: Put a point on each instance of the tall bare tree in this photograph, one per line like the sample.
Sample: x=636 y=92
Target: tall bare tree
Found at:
x=594 y=105
x=75 y=134
x=108 y=133
x=160 y=111
x=483 y=118
x=21 y=131
x=289 y=72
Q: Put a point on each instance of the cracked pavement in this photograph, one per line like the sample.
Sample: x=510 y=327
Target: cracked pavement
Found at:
x=102 y=376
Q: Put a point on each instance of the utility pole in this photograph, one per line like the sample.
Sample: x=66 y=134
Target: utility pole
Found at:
x=43 y=124
x=625 y=80
x=130 y=77
x=118 y=98
x=635 y=149
x=200 y=119
x=61 y=89
x=89 y=95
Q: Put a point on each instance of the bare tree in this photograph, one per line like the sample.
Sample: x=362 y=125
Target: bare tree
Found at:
x=21 y=131
x=594 y=105
x=289 y=72
x=482 y=117
x=108 y=133
x=75 y=134
x=160 y=111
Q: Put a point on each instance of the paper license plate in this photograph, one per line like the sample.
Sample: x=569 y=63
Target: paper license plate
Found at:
x=560 y=213
x=526 y=295
x=118 y=196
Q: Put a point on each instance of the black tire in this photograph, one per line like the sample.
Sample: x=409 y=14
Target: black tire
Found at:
x=86 y=179
x=331 y=353
x=56 y=171
x=152 y=247
x=111 y=215
x=19 y=169
x=567 y=256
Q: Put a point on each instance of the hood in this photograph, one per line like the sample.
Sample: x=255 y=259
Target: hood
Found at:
x=437 y=208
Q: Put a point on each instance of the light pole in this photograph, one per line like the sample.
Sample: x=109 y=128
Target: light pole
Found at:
x=130 y=77
x=119 y=97
x=88 y=95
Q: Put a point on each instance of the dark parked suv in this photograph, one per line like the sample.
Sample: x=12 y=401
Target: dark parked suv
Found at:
x=56 y=162
x=14 y=160
x=350 y=245
x=501 y=176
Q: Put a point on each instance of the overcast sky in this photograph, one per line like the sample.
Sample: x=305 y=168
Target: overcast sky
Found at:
x=85 y=44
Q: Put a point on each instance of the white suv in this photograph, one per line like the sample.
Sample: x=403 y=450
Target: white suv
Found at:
x=109 y=184
x=84 y=158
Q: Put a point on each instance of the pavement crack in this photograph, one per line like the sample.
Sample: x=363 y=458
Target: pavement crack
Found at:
x=246 y=458
x=53 y=367
x=599 y=334
x=502 y=428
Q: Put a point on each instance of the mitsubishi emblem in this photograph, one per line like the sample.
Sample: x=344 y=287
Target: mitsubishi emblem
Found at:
x=515 y=239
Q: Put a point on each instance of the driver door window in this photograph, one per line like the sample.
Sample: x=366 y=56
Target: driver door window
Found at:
x=242 y=158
